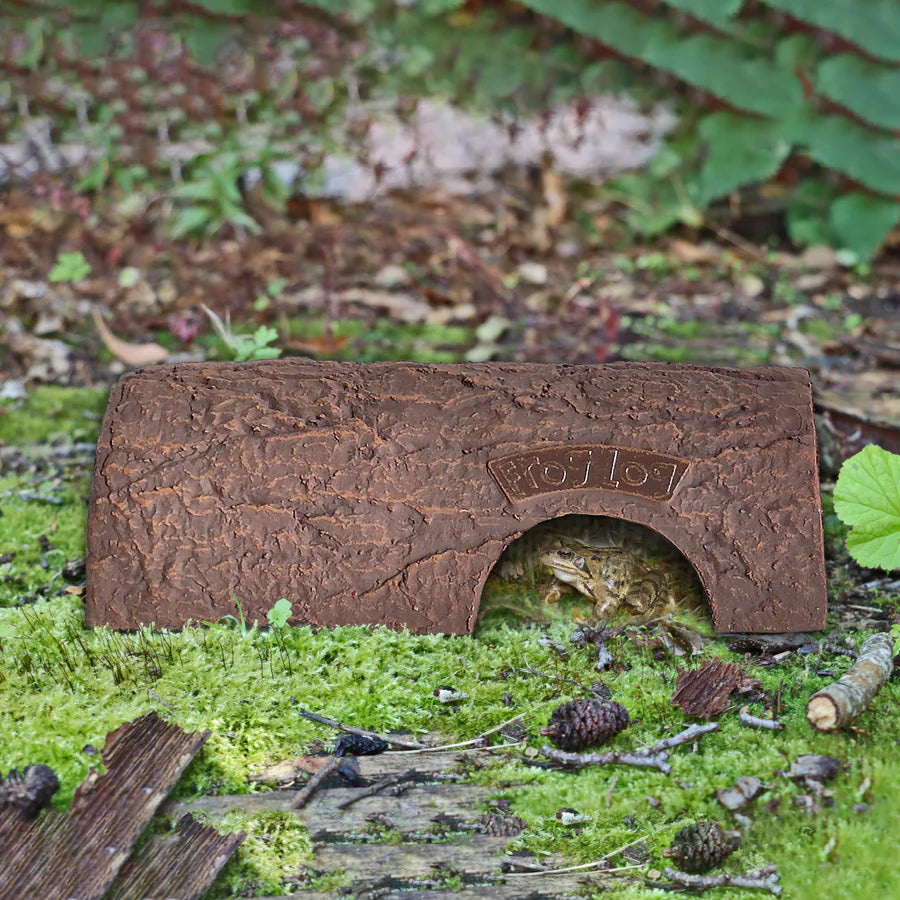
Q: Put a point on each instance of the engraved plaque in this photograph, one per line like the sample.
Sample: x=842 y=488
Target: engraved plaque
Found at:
x=641 y=472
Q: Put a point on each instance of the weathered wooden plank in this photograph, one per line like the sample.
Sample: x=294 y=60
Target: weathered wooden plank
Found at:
x=439 y=762
x=385 y=493
x=473 y=856
x=180 y=866
x=77 y=855
x=554 y=887
x=410 y=812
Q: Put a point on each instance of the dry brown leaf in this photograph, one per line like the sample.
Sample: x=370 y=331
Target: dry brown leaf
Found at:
x=130 y=354
x=694 y=253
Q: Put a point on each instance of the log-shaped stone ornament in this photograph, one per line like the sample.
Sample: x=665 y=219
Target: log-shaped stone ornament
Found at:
x=384 y=493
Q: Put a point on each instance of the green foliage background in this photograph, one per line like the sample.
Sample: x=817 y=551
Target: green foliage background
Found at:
x=808 y=92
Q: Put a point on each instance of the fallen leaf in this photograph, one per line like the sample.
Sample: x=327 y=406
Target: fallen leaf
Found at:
x=130 y=354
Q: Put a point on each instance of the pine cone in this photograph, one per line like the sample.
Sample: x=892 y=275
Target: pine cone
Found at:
x=585 y=723
x=702 y=846
x=358 y=745
x=30 y=791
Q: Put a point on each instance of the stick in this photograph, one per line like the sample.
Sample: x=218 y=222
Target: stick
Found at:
x=324 y=720
x=755 y=722
x=640 y=759
x=422 y=748
x=683 y=737
x=843 y=700
x=330 y=765
x=382 y=784
x=765 y=879
x=655 y=757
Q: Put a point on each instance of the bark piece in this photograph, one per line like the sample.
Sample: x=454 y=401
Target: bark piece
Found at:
x=179 y=867
x=834 y=706
x=385 y=493
x=77 y=855
x=706 y=692
x=742 y=792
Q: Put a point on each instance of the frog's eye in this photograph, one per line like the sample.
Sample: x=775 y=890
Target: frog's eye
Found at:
x=579 y=563
x=564 y=554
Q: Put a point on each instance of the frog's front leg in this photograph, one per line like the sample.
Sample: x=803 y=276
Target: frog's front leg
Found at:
x=554 y=594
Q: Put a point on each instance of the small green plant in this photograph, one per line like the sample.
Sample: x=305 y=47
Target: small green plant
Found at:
x=279 y=613
x=867 y=497
x=243 y=347
x=70 y=267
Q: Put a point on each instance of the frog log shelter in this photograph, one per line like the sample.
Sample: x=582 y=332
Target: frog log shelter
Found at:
x=384 y=493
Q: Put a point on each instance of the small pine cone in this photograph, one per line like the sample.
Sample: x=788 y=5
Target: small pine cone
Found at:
x=30 y=791
x=359 y=745
x=501 y=824
x=585 y=723
x=702 y=846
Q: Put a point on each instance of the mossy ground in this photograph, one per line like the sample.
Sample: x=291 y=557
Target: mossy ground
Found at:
x=63 y=687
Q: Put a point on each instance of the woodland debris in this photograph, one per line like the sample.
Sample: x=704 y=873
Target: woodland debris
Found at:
x=395 y=784
x=78 y=854
x=745 y=718
x=130 y=354
x=28 y=792
x=655 y=757
x=769 y=643
x=702 y=846
x=328 y=768
x=396 y=742
x=359 y=745
x=842 y=701
x=765 y=879
x=181 y=865
x=585 y=723
x=706 y=692
x=813 y=770
x=742 y=792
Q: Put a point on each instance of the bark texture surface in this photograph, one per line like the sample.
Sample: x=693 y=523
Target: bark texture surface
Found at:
x=384 y=493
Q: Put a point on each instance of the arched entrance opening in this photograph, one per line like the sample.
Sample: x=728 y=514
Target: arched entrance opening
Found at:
x=634 y=573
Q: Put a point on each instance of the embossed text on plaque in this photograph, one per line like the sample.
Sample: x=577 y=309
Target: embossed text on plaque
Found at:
x=641 y=472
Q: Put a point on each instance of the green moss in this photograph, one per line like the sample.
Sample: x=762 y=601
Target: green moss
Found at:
x=276 y=845
x=51 y=413
x=63 y=687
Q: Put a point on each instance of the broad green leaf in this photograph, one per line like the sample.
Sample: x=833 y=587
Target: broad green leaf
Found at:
x=807 y=212
x=740 y=151
x=204 y=39
x=867 y=497
x=871 y=90
x=860 y=222
x=717 y=12
x=870 y=157
x=716 y=63
x=873 y=25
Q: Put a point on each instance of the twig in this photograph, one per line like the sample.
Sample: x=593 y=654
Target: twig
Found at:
x=422 y=748
x=655 y=757
x=382 y=784
x=324 y=720
x=683 y=737
x=756 y=722
x=580 y=760
x=766 y=879
x=591 y=865
x=330 y=765
x=846 y=698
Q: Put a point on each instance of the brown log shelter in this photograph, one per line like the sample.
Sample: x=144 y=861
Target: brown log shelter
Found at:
x=384 y=493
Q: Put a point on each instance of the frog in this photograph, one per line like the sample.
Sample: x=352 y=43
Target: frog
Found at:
x=614 y=578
